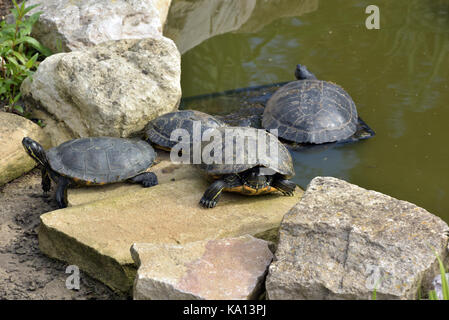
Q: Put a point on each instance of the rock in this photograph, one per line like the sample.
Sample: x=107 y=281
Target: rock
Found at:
x=14 y=160
x=191 y=22
x=56 y=131
x=112 y=89
x=67 y=25
x=230 y=269
x=97 y=236
x=342 y=242
x=438 y=286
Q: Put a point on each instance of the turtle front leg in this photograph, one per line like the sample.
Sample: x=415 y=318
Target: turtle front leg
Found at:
x=146 y=179
x=61 y=192
x=212 y=194
x=46 y=181
x=283 y=185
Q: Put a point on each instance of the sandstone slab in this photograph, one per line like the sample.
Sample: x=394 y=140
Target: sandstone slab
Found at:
x=14 y=161
x=112 y=89
x=67 y=25
x=165 y=170
x=230 y=269
x=97 y=235
x=342 y=242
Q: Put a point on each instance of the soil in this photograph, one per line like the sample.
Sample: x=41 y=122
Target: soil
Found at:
x=25 y=273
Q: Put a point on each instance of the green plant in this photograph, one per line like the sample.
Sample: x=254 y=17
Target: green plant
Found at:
x=444 y=284
x=19 y=54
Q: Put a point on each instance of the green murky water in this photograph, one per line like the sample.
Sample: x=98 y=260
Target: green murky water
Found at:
x=398 y=76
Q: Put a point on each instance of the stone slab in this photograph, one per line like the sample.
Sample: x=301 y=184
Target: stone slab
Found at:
x=230 y=269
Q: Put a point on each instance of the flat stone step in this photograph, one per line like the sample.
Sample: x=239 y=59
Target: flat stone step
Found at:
x=230 y=269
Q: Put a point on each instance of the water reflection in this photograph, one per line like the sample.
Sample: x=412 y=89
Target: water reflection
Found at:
x=190 y=22
x=315 y=162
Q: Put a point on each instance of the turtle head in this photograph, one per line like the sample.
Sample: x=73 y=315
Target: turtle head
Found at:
x=256 y=178
x=301 y=73
x=36 y=151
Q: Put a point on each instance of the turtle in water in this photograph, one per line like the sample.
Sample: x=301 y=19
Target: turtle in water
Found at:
x=312 y=111
x=243 y=168
x=159 y=130
x=92 y=161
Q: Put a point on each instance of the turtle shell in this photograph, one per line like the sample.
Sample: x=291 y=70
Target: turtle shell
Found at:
x=243 y=148
x=101 y=160
x=158 y=131
x=311 y=111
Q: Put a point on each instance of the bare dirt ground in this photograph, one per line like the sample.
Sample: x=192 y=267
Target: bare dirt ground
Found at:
x=25 y=273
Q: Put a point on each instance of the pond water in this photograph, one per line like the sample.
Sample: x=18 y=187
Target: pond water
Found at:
x=398 y=77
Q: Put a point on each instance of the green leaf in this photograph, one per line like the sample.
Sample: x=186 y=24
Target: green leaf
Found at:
x=433 y=295
x=30 y=63
x=15 y=13
x=22 y=9
x=36 y=45
x=444 y=284
x=29 y=8
x=18 y=108
x=13 y=61
x=40 y=123
x=10 y=82
x=17 y=97
x=15 y=5
x=19 y=56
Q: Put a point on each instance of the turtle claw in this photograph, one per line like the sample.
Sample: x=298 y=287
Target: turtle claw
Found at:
x=208 y=203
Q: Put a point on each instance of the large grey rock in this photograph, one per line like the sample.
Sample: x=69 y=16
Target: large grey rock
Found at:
x=191 y=22
x=231 y=269
x=112 y=89
x=67 y=25
x=342 y=242
x=14 y=161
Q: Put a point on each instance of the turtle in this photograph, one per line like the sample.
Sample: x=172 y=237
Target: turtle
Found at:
x=255 y=172
x=159 y=130
x=92 y=161
x=312 y=111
